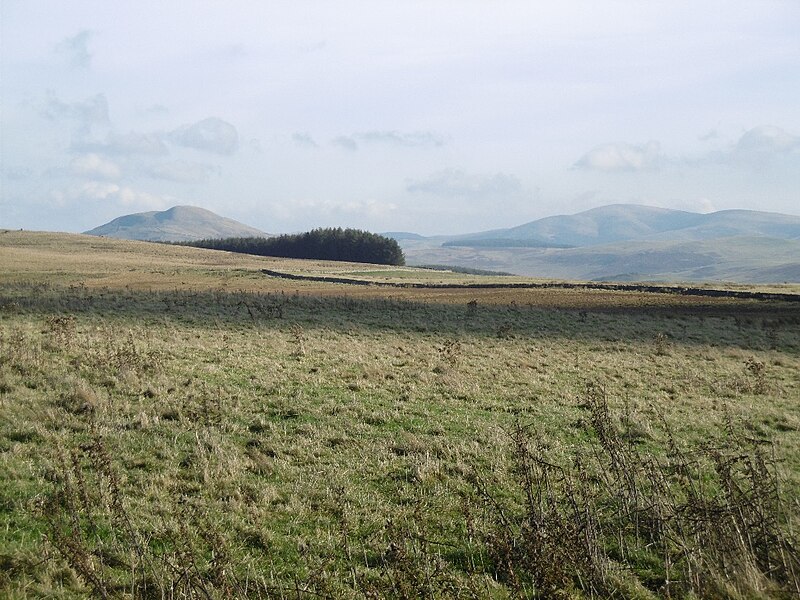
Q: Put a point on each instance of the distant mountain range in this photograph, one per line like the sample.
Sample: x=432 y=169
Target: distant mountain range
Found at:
x=619 y=242
x=178 y=224
x=626 y=242
x=626 y=222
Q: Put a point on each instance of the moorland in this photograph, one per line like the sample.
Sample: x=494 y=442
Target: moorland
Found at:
x=176 y=424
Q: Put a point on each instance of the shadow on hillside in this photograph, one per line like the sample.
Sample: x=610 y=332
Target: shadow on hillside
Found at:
x=745 y=324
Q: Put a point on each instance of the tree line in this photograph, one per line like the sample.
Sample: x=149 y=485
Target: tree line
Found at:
x=334 y=243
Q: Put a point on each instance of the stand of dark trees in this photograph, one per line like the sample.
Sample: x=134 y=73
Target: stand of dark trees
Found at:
x=351 y=245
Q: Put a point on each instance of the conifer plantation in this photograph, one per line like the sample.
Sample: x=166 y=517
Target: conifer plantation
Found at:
x=353 y=245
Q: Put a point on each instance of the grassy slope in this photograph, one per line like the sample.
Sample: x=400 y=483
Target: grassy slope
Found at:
x=179 y=223
x=736 y=259
x=173 y=420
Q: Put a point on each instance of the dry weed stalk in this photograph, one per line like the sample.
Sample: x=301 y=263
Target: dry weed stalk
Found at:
x=712 y=518
x=62 y=330
x=91 y=529
x=299 y=338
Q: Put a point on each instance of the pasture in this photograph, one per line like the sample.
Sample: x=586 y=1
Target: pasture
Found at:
x=176 y=424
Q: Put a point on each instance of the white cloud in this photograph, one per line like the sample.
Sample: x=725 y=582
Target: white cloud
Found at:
x=697 y=204
x=705 y=205
x=129 y=197
x=92 y=111
x=181 y=171
x=454 y=183
x=346 y=142
x=304 y=139
x=76 y=49
x=94 y=165
x=326 y=209
x=108 y=193
x=396 y=138
x=529 y=90
x=254 y=146
x=124 y=144
x=767 y=139
x=209 y=135
x=96 y=190
x=156 y=110
x=757 y=148
x=621 y=157
x=390 y=138
x=710 y=135
x=16 y=173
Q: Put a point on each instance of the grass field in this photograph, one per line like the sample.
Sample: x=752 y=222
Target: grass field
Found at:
x=174 y=424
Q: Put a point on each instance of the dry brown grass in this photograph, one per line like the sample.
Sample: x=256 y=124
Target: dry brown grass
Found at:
x=176 y=424
x=68 y=259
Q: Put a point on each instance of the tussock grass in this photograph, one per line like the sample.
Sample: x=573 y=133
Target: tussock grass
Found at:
x=168 y=441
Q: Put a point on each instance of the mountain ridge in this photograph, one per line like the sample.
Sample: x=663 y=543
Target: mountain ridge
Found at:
x=629 y=242
x=623 y=222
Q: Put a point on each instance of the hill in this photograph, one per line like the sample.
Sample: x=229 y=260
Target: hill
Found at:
x=733 y=259
x=403 y=235
x=625 y=222
x=178 y=224
x=627 y=242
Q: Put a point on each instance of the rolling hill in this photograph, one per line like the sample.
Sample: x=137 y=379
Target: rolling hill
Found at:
x=625 y=222
x=626 y=242
x=619 y=242
x=178 y=224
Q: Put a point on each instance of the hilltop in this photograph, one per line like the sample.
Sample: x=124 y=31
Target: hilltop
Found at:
x=177 y=224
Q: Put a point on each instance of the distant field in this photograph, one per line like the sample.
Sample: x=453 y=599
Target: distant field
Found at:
x=741 y=259
x=174 y=423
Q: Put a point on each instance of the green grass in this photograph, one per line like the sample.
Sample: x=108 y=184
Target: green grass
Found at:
x=202 y=443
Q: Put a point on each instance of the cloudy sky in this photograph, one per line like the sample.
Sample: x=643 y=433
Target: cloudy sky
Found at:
x=432 y=116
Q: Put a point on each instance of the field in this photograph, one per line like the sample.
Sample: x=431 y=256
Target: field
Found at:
x=744 y=258
x=176 y=424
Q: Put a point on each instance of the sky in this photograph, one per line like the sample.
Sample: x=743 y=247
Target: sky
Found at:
x=437 y=117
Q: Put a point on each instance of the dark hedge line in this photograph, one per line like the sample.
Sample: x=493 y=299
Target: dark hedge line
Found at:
x=352 y=245
x=564 y=285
